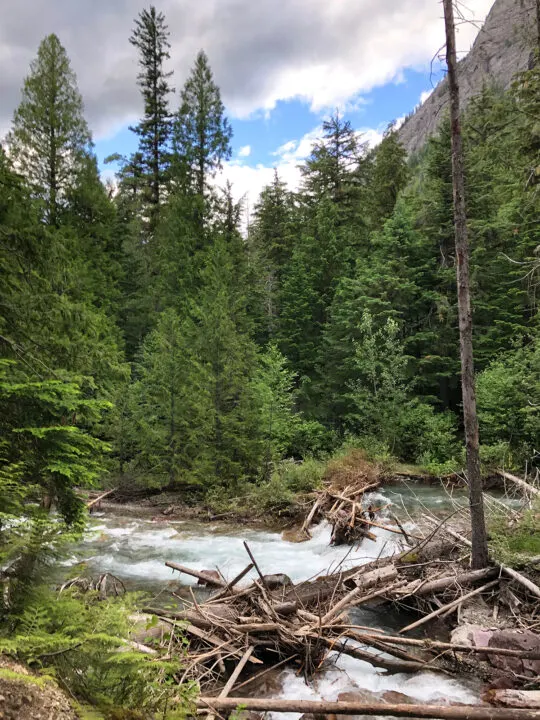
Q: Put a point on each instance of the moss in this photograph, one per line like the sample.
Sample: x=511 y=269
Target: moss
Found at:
x=38 y=680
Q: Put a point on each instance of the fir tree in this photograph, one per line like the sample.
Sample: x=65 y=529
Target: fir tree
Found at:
x=202 y=133
x=150 y=37
x=50 y=136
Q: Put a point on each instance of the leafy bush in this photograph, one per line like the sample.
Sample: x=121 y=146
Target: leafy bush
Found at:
x=83 y=642
x=509 y=402
x=512 y=542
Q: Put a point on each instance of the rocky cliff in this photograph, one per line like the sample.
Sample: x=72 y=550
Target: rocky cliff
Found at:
x=502 y=48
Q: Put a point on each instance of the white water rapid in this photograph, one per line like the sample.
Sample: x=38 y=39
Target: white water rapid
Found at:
x=136 y=550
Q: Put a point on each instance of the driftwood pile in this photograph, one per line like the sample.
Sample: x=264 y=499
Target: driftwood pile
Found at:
x=352 y=517
x=241 y=633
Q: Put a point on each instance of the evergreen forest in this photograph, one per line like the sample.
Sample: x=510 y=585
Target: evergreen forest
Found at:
x=152 y=336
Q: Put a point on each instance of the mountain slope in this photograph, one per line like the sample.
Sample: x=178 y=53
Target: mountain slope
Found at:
x=503 y=48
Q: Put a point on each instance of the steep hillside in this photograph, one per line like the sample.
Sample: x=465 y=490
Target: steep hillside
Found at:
x=503 y=48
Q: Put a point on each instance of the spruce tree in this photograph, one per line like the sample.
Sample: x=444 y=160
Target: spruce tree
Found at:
x=228 y=354
x=388 y=177
x=50 y=137
x=170 y=408
x=202 y=133
x=150 y=37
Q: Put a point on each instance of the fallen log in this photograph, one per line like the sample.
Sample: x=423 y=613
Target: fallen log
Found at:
x=531 y=587
x=427 y=644
x=392 y=665
x=99 y=498
x=387 y=573
x=377 y=709
x=195 y=573
x=519 y=482
x=448 y=581
x=447 y=607
x=515 y=698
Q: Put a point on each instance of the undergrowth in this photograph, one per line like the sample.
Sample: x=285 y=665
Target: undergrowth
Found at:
x=82 y=642
x=514 y=542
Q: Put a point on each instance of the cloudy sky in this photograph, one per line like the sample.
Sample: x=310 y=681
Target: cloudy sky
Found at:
x=281 y=65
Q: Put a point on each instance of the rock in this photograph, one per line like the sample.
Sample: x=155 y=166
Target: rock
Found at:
x=523 y=640
x=213 y=574
x=24 y=696
x=503 y=48
x=359 y=695
x=470 y=634
x=273 y=582
x=392 y=697
x=293 y=535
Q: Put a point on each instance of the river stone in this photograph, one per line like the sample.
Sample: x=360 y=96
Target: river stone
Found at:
x=471 y=634
x=523 y=640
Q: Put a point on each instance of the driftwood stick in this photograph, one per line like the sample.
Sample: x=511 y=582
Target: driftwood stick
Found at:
x=427 y=644
x=257 y=568
x=519 y=482
x=231 y=584
x=218 y=642
x=100 y=497
x=377 y=709
x=393 y=665
x=447 y=607
x=449 y=581
x=307 y=522
x=197 y=574
x=400 y=526
x=531 y=587
x=234 y=677
x=355 y=598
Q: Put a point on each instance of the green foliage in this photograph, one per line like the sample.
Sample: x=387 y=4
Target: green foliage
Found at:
x=83 y=642
x=509 y=402
x=150 y=37
x=514 y=542
x=49 y=135
x=202 y=133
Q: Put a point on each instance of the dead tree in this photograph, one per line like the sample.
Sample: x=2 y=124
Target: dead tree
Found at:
x=479 y=555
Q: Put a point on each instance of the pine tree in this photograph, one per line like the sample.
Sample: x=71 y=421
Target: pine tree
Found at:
x=202 y=133
x=150 y=37
x=50 y=136
x=225 y=348
x=170 y=407
x=333 y=167
x=388 y=176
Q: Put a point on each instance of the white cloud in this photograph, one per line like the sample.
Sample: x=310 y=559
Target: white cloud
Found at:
x=245 y=151
x=248 y=181
x=424 y=96
x=325 y=53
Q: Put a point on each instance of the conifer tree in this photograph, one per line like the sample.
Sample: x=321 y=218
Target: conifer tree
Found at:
x=225 y=348
x=150 y=37
x=202 y=133
x=171 y=406
x=388 y=177
x=331 y=170
x=50 y=137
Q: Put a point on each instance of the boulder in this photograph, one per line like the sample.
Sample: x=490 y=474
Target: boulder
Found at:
x=523 y=640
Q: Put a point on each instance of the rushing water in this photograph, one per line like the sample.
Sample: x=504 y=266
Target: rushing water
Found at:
x=136 y=550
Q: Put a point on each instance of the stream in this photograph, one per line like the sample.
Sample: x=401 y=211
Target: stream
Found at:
x=135 y=550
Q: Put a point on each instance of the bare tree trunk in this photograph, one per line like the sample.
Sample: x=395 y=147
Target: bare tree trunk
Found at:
x=538 y=29
x=479 y=537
